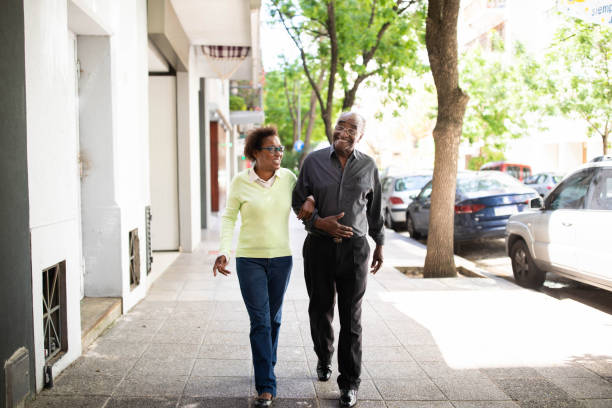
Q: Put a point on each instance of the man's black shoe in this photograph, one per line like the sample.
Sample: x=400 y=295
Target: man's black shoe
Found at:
x=348 y=398
x=323 y=370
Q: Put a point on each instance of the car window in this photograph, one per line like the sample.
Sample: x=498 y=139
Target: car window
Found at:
x=425 y=192
x=472 y=184
x=514 y=171
x=557 y=179
x=532 y=180
x=571 y=194
x=600 y=193
x=527 y=172
x=542 y=179
x=411 y=183
x=386 y=184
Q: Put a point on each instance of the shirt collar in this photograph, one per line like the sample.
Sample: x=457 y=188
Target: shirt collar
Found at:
x=254 y=177
x=356 y=153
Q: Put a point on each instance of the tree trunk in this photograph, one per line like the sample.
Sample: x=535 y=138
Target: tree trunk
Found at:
x=312 y=111
x=441 y=41
x=605 y=143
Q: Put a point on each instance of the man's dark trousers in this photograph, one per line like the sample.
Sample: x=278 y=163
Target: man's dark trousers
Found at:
x=330 y=268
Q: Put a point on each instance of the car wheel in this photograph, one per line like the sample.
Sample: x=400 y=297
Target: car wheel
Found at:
x=388 y=221
x=410 y=227
x=526 y=273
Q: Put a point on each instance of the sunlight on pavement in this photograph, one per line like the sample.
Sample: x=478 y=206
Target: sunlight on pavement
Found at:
x=506 y=328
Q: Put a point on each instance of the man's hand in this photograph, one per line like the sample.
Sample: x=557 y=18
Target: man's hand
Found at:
x=220 y=264
x=377 y=259
x=333 y=227
x=307 y=209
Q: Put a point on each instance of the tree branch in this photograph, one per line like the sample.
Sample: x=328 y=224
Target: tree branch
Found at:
x=298 y=44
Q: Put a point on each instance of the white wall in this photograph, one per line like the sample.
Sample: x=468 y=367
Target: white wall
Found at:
x=129 y=51
x=52 y=163
x=187 y=87
x=53 y=149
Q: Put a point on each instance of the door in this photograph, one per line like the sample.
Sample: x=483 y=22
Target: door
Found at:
x=556 y=231
x=593 y=243
x=163 y=153
x=422 y=205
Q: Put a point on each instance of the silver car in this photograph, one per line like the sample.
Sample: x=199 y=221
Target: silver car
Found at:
x=396 y=195
x=543 y=183
x=569 y=234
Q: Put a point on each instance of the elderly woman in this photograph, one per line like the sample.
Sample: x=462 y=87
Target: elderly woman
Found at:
x=262 y=195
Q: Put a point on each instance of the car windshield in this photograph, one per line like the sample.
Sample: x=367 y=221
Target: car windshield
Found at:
x=411 y=183
x=489 y=183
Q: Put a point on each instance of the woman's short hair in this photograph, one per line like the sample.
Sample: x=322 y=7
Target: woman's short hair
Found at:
x=255 y=138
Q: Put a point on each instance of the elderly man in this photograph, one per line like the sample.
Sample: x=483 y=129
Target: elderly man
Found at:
x=346 y=189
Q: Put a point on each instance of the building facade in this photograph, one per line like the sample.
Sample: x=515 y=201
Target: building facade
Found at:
x=112 y=116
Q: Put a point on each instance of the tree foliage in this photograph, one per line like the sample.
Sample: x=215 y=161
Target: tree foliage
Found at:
x=503 y=88
x=281 y=92
x=578 y=76
x=353 y=41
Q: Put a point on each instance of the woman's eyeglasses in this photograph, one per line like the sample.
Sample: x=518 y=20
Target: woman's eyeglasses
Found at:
x=273 y=149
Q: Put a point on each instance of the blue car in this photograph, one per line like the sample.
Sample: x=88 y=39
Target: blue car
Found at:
x=483 y=203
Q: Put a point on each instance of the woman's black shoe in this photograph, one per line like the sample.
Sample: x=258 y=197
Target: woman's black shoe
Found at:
x=324 y=371
x=348 y=398
x=262 y=402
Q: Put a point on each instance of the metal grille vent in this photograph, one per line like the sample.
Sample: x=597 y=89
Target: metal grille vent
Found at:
x=54 y=309
x=148 y=218
x=134 y=259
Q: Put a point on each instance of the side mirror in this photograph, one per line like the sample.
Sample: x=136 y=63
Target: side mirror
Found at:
x=412 y=197
x=536 y=203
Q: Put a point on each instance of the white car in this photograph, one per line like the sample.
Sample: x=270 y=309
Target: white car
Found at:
x=396 y=195
x=569 y=234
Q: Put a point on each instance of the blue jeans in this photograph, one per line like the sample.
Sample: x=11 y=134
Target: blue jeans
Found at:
x=263 y=282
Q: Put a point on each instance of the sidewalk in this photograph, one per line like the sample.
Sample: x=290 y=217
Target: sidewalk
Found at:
x=428 y=343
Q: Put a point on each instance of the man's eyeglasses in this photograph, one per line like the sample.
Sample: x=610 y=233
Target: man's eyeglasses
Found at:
x=350 y=131
x=273 y=149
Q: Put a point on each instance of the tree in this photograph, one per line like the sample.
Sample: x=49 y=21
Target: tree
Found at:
x=503 y=96
x=578 y=71
x=353 y=41
x=441 y=41
x=281 y=92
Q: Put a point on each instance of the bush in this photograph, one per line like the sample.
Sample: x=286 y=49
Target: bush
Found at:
x=237 y=103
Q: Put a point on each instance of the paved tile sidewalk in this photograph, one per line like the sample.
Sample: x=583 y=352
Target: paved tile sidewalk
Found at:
x=435 y=343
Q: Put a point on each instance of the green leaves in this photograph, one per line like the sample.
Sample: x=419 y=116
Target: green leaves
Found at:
x=500 y=86
x=579 y=68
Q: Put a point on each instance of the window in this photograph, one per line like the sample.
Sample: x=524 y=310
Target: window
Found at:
x=571 y=194
x=425 y=193
x=527 y=172
x=600 y=194
x=411 y=183
x=386 y=184
x=514 y=171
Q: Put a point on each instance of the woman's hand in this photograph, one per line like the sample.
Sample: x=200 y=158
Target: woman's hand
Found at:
x=220 y=264
x=307 y=209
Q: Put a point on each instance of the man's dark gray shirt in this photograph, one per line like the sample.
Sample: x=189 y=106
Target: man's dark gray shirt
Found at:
x=356 y=191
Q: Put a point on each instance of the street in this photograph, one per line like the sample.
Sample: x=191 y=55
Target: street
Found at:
x=491 y=256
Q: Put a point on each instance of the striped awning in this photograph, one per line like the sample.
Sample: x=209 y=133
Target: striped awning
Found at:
x=226 y=51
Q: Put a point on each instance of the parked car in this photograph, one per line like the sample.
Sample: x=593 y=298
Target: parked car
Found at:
x=518 y=171
x=483 y=203
x=569 y=234
x=396 y=193
x=601 y=158
x=543 y=183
